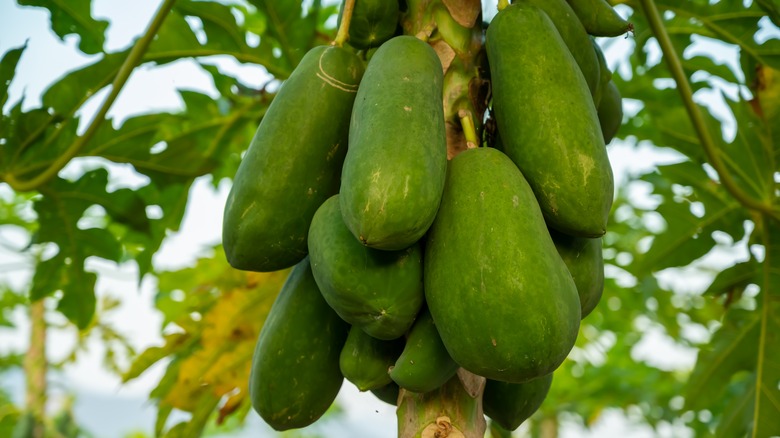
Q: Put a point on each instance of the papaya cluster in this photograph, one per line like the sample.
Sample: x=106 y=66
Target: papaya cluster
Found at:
x=408 y=266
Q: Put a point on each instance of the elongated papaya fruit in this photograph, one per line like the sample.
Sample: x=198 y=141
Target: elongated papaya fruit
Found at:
x=605 y=74
x=548 y=121
x=574 y=35
x=394 y=171
x=424 y=364
x=293 y=163
x=295 y=369
x=379 y=291
x=365 y=360
x=502 y=299
x=510 y=404
x=586 y=265
x=599 y=18
x=373 y=22
x=610 y=111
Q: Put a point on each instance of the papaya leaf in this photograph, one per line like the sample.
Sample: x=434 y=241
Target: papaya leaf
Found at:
x=730 y=22
x=737 y=413
x=772 y=8
x=7 y=71
x=74 y=17
x=749 y=156
x=71 y=91
x=59 y=210
x=688 y=236
x=735 y=278
x=766 y=415
x=708 y=65
x=732 y=349
x=219 y=25
x=152 y=355
x=176 y=40
x=22 y=130
x=287 y=25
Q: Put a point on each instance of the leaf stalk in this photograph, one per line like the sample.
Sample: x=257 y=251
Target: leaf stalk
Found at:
x=346 y=19
x=133 y=59
x=694 y=112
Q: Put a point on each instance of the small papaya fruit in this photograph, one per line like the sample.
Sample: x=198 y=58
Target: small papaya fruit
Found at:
x=586 y=265
x=548 y=122
x=293 y=163
x=510 y=404
x=424 y=364
x=388 y=393
x=373 y=22
x=610 y=111
x=295 y=372
x=502 y=299
x=574 y=35
x=599 y=18
x=393 y=174
x=365 y=360
x=379 y=291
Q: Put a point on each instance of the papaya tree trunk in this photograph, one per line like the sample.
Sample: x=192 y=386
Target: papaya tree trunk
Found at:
x=454 y=29
x=35 y=367
x=452 y=411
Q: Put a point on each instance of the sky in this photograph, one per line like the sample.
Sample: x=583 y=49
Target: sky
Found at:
x=98 y=391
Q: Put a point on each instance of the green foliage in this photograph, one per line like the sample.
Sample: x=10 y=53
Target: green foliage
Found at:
x=77 y=216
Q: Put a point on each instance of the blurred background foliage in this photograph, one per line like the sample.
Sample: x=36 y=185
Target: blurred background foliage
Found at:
x=688 y=260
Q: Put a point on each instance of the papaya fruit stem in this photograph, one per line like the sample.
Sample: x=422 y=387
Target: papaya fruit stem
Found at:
x=502 y=4
x=133 y=59
x=346 y=19
x=694 y=113
x=469 y=130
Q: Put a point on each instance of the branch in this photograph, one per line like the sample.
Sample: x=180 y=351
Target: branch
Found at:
x=710 y=149
x=346 y=19
x=133 y=58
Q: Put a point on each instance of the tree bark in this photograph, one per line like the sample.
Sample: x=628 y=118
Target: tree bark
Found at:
x=35 y=367
x=452 y=411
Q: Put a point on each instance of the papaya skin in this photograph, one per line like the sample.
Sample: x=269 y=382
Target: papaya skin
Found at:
x=503 y=301
x=510 y=404
x=373 y=22
x=365 y=360
x=586 y=265
x=548 y=121
x=293 y=163
x=574 y=35
x=599 y=18
x=379 y=291
x=424 y=364
x=394 y=171
x=610 y=111
x=295 y=372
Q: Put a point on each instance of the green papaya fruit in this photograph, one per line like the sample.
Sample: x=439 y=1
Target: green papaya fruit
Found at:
x=599 y=18
x=424 y=364
x=586 y=265
x=393 y=174
x=379 y=291
x=605 y=74
x=610 y=111
x=373 y=22
x=388 y=393
x=510 y=404
x=295 y=372
x=365 y=360
x=502 y=299
x=574 y=35
x=548 y=121
x=293 y=163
